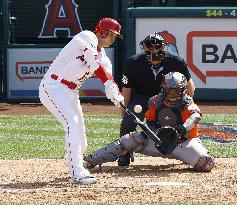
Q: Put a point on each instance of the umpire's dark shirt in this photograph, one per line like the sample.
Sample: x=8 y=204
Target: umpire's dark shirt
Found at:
x=145 y=81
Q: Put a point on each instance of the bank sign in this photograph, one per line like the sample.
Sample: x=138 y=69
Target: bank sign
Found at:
x=209 y=47
x=32 y=69
x=27 y=66
x=212 y=56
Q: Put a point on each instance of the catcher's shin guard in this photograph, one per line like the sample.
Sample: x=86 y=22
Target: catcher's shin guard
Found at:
x=204 y=164
x=112 y=151
x=106 y=154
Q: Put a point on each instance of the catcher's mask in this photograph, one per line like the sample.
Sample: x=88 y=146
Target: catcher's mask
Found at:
x=174 y=87
x=154 y=47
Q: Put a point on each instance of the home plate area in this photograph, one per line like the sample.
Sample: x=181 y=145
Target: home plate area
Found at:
x=148 y=179
x=166 y=184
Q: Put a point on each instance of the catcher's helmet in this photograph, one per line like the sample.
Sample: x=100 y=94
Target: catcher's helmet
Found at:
x=107 y=24
x=154 y=46
x=174 y=87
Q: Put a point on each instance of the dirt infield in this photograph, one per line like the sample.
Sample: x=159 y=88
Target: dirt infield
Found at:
x=106 y=107
x=146 y=180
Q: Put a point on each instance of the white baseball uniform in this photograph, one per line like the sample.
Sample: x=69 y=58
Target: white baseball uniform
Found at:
x=58 y=92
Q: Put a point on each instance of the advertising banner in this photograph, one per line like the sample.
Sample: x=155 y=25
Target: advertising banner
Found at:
x=27 y=66
x=209 y=47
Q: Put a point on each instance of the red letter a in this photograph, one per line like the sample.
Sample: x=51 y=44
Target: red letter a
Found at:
x=61 y=15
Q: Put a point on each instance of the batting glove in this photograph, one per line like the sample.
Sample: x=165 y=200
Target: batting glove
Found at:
x=112 y=93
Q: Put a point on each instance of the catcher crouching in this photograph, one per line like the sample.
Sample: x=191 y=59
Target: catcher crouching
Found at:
x=174 y=117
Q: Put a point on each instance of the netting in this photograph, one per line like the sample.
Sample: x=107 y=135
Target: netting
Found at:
x=223 y=133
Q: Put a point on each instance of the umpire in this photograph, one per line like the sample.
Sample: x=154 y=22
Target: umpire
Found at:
x=142 y=78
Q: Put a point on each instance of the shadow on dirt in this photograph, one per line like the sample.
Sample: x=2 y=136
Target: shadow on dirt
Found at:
x=30 y=186
x=143 y=170
x=3 y=109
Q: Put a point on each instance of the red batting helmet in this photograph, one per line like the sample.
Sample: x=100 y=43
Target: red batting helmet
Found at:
x=107 y=24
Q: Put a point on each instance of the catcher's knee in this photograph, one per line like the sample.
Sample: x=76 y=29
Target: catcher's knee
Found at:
x=204 y=164
x=133 y=141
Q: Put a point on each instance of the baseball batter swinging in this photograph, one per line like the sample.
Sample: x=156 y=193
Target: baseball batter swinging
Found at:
x=83 y=57
x=171 y=107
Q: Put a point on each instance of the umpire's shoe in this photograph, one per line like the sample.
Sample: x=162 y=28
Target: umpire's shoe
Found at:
x=124 y=160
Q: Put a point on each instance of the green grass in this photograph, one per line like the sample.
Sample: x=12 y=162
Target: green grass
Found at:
x=41 y=136
x=220 y=118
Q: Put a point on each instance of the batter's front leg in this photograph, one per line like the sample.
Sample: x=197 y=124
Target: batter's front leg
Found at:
x=195 y=154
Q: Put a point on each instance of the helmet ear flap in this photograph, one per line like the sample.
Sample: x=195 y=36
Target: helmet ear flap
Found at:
x=101 y=32
x=104 y=33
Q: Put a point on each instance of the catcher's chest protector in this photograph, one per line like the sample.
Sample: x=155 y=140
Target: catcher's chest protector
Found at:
x=166 y=116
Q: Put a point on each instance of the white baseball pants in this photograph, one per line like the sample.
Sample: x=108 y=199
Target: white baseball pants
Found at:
x=65 y=105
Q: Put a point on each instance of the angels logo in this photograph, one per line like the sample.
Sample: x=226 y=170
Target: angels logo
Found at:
x=171 y=42
x=60 y=15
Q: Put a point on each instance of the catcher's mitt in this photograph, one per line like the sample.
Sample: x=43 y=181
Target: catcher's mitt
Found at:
x=169 y=137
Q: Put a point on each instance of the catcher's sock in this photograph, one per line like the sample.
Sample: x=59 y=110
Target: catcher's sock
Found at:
x=124 y=160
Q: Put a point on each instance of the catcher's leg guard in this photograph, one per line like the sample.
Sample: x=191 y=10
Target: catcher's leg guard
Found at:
x=204 y=164
x=106 y=154
x=112 y=151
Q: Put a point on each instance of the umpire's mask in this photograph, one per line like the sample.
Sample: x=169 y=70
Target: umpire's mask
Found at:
x=174 y=87
x=154 y=47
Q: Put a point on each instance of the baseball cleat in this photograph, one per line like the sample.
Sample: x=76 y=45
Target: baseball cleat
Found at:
x=124 y=160
x=87 y=180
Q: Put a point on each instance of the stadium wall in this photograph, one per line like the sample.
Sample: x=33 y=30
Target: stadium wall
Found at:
x=27 y=47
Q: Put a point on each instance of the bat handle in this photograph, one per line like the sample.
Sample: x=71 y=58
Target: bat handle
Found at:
x=123 y=106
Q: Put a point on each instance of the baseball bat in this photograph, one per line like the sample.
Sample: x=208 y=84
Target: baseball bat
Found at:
x=143 y=126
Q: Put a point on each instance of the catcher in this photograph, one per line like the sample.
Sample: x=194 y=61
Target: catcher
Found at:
x=174 y=117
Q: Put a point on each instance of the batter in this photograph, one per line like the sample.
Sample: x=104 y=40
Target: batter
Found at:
x=82 y=58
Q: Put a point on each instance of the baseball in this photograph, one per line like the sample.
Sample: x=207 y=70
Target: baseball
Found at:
x=137 y=108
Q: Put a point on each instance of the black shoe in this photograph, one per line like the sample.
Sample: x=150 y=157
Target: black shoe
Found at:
x=124 y=160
